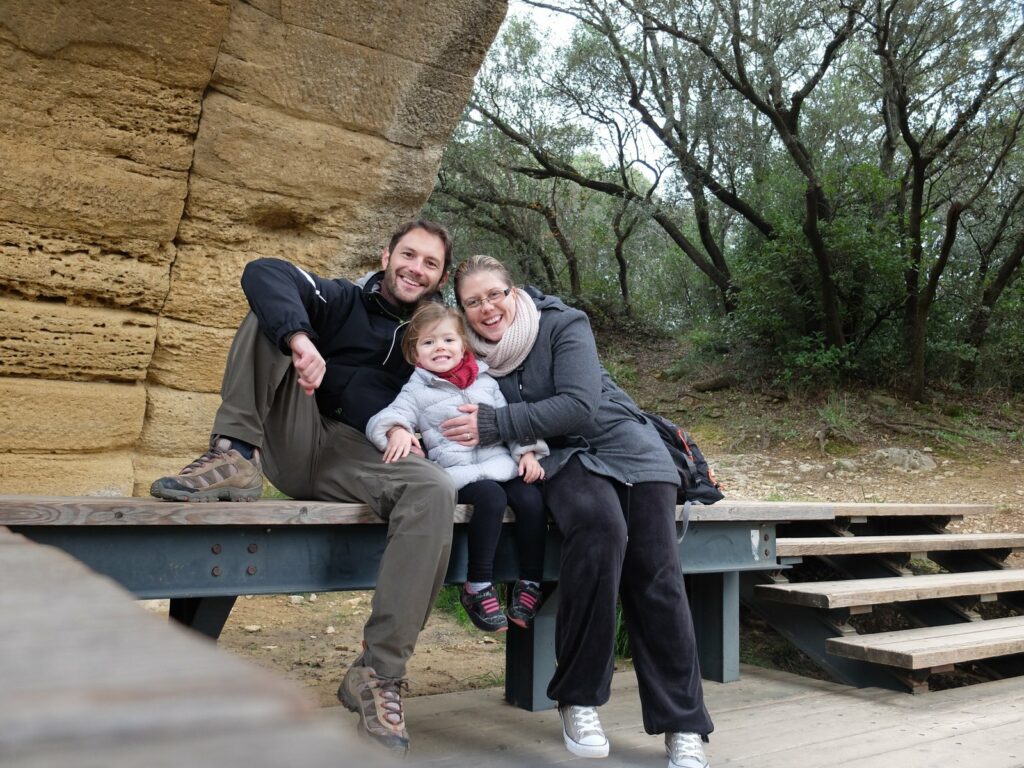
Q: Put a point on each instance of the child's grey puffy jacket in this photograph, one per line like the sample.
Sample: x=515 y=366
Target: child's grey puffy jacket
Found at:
x=427 y=400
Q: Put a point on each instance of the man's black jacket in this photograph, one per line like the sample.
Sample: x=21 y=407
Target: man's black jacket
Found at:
x=358 y=333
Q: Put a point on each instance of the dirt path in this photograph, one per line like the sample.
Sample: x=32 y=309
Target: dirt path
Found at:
x=763 y=446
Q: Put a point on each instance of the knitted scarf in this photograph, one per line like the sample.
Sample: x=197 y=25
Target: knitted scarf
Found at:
x=463 y=374
x=508 y=353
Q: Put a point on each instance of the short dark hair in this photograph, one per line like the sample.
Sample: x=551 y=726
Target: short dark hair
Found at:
x=433 y=228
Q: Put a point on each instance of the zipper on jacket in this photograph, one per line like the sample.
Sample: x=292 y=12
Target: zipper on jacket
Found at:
x=394 y=338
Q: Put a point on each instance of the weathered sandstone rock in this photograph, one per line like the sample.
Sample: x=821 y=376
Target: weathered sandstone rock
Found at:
x=52 y=340
x=297 y=69
x=78 y=474
x=190 y=356
x=149 y=150
x=173 y=43
x=178 y=423
x=68 y=417
x=453 y=34
x=127 y=273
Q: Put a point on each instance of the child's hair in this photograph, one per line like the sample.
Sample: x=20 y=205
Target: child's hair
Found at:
x=426 y=316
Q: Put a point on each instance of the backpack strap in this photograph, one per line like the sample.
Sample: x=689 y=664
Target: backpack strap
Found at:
x=686 y=520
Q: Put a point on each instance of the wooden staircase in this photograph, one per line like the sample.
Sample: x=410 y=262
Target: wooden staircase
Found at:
x=837 y=572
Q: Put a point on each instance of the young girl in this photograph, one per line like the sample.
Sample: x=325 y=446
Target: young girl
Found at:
x=447 y=375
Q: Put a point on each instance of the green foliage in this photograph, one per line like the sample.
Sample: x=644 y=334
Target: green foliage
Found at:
x=796 y=239
x=810 y=363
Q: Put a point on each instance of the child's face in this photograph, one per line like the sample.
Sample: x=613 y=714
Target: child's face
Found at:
x=440 y=348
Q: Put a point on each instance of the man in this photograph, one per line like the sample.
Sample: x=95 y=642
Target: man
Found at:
x=312 y=362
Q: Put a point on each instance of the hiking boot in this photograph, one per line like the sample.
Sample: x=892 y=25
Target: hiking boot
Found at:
x=524 y=603
x=378 y=700
x=484 y=609
x=220 y=474
x=582 y=731
x=685 y=750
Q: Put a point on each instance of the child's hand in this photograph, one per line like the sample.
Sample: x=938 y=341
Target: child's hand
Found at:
x=530 y=469
x=400 y=443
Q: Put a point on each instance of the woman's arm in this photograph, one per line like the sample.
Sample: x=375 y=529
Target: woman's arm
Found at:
x=575 y=382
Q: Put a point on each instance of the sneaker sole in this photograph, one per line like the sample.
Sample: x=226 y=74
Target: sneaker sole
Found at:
x=584 y=750
x=209 y=494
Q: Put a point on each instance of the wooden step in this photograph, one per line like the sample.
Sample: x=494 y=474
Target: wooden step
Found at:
x=934 y=646
x=864 y=545
x=856 y=593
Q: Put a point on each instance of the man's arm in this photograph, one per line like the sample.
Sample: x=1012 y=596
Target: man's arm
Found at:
x=287 y=300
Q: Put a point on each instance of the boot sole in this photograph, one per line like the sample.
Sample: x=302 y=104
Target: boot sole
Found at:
x=353 y=706
x=209 y=494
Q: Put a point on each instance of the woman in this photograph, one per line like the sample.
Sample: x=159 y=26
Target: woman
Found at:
x=611 y=488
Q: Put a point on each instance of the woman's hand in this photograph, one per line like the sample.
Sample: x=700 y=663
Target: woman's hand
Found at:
x=400 y=443
x=530 y=469
x=463 y=429
x=308 y=362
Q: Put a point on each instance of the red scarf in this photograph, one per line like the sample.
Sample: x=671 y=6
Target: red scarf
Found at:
x=463 y=374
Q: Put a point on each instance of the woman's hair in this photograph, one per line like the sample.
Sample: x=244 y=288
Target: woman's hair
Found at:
x=480 y=263
x=426 y=316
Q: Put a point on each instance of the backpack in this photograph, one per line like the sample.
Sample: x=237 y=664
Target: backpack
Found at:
x=698 y=484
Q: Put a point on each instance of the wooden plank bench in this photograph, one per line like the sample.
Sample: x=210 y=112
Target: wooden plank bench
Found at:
x=89 y=679
x=861 y=594
x=866 y=545
x=202 y=556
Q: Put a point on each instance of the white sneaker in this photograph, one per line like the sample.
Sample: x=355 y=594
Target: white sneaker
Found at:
x=685 y=750
x=582 y=731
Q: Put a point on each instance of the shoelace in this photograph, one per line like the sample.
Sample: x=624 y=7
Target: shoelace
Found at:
x=586 y=722
x=683 y=745
x=202 y=461
x=391 y=696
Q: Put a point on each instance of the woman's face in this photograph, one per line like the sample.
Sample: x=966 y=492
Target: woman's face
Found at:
x=489 y=318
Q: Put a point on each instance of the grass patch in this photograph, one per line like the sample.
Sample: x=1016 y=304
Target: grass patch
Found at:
x=486 y=680
x=448 y=603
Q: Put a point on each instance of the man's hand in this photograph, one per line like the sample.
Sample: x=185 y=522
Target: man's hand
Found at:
x=530 y=469
x=462 y=429
x=308 y=362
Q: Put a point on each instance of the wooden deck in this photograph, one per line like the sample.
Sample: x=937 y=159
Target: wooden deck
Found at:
x=767 y=719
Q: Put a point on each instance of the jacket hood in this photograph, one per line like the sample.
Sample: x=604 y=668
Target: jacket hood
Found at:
x=542 y=300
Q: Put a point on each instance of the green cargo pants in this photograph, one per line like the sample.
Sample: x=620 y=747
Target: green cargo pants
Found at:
x=309 y=456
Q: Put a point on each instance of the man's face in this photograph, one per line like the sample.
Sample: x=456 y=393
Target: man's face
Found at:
x=414 y=269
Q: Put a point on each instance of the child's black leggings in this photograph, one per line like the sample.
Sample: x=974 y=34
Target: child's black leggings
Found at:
x=489 y=499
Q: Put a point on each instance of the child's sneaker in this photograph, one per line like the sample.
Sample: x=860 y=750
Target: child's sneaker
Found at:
x=484 y=609
x=524 y=603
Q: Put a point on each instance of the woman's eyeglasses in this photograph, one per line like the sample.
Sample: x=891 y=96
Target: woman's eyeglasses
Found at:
x=492 y=297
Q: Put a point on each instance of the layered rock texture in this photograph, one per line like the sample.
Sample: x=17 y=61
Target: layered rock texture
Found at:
x=148 y=150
